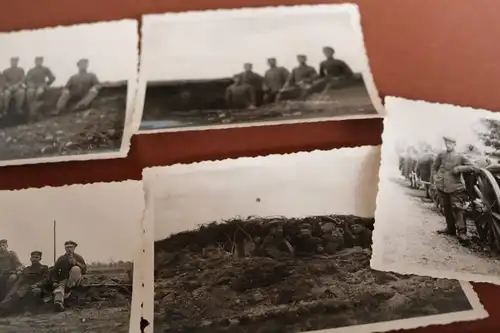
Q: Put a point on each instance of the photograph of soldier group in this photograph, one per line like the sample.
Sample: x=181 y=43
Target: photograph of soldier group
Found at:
x=250 y=89
x=37 y=282
x=444 y=176
x=23 y=91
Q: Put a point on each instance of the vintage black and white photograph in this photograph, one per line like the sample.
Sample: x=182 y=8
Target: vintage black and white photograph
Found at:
x=67 y=93
x=248 y=67
x=282 y=244
x=439 y=194
x=67 y=262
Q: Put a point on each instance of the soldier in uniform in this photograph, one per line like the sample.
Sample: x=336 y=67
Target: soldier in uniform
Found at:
x=248 y=76
x=31 y=280
x=332 y=68
x=67 y=273
x=424 y=169
x=37 y=81
x=448 y=168
x=300 y=81
x=10 y=268
x=275 y=79
x=2 y=95
x=83 y=87
x=15 y=87
x=240 y=95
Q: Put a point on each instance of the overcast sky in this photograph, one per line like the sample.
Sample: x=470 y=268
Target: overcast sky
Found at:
x=103 y=218
x=111 y=48
x=413 y=121
x=217 y=44
x=341 y=181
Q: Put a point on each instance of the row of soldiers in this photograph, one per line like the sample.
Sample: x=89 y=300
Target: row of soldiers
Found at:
x=18 y=86
x=279 y=83
x=37 y=280
x=445 y=171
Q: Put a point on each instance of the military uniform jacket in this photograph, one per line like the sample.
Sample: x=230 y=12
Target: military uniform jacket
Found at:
x=445 y=180
x=63 y=266
x=34 y=274
x=9 y=262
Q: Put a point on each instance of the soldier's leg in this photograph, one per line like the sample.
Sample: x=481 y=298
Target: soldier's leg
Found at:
x=63 y=101
x=59 y=296
x=30 y=95
x=448 y=213
x=19 y=97
x=6 y=100
x=85 y=101
x=75 y=277
x=458 y=203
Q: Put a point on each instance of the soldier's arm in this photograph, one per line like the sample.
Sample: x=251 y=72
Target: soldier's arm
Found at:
x=291 y=79
x=466 y=165
x=285 y=74
x=313 y=74
x=15 y=261
x=27 y=80
x=70 y=83
x=95 y=81
x=437 y=164
x=322 y=72
x=80 y=262
x=50 y=77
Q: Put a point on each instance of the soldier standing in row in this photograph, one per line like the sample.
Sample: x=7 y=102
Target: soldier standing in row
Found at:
x=37 y=81
x=68 y=272
x=424 y=169
x=448 y=168
x=32 y=280
x=10 y=268
x=275 y=79
x=14 y=86
x=83 y=87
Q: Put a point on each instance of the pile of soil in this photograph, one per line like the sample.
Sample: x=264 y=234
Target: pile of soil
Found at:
x=285 y=275
x=98 y=129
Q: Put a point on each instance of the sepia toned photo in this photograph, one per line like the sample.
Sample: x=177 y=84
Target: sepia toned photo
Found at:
x=67 y=262
x=247 y=67
x=67 y=93
x=281 y=243
x=439 y=194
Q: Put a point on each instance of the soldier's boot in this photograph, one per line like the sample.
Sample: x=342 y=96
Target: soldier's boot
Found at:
x=461 y=227
x=59 y=298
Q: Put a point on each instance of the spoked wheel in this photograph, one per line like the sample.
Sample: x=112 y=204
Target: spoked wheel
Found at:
x=488 y=222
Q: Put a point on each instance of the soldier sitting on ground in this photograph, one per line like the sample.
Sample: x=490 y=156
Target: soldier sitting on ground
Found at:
x=332 y=68
x=248 y=76
x=240 y=95
x=32 y=281
x=15 y=87
x=82 y=87
x=274 y=80
x=10 y=268
x=300 y=81
x=37 y=81
x=67 y=273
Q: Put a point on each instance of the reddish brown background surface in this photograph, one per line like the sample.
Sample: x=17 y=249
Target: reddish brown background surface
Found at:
x=436 y=50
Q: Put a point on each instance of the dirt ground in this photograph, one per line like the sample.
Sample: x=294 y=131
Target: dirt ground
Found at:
x=100 y=306
x=222 y=278
x=413 y=231
x=98 y=129
x=340 y=102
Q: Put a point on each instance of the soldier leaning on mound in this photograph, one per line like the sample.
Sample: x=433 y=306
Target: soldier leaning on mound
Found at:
x=67 y=273
x=448 y=167
x=83 y=87
x=15 y=87
x=32 y=279
x=10 y=267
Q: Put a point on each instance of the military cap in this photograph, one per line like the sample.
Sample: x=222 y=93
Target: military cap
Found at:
x=3 y=241
x=301 y=55
x=82 y=60
x=449 y=139
x=39 y=58
x=14 y=58
x=36 y=253
x=70 y=242
x=328 y=48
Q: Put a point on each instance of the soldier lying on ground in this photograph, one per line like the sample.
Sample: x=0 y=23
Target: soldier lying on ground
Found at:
x=15 y=86
x=10 y=268
x=83 y=87
x=67 y=273
x=240 y=95
x=37 y=81
x=32 y=282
